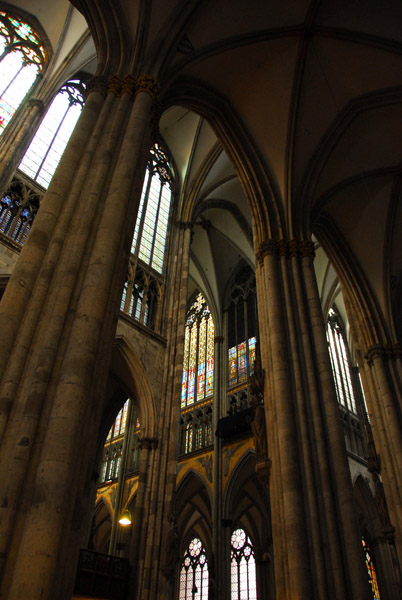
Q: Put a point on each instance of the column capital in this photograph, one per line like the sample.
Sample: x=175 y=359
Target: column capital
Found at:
x=287 y=248
x=148 y=83
x=184 y=224
x=375 y=351
x=148 y=443
x=219 y=339
x=97 y=84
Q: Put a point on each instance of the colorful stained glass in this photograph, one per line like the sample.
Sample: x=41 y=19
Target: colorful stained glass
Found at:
x=372 y=575
x=242 y=361
x=232 y=365
x=124 y=417
x=198 y=360
x=251 y=353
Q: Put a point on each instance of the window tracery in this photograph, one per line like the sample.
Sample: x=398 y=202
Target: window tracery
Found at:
x=198 y=362
x=22 y=57
x=45 y=150
x=194 y=576
x=243 y=569
x=340 y=362
x=242 y=328
x=150 y=232
x=18 y=209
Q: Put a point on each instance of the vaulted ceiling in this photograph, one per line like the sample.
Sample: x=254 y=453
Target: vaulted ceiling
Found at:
x=282 y=116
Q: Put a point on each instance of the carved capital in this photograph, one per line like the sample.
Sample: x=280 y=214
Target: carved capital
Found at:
x=219 y=339
x=129 y=85
x=148 y=83
x=267 y=247
x=306 y=249
x=115 y=86
x=184 y=224
x=96 y=84
x=283 y=248
x=148 y=443
x=375 y=351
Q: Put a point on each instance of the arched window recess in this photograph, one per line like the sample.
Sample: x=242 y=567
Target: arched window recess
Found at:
x=22 y=57
x=198 y=377
x=243 y=567
x=242 y=327
x=347 y=384
x=143 y=290
x=21 y=201
x=194 y=575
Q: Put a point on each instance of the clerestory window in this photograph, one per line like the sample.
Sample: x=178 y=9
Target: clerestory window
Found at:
x=44 y=153
x=242 y=328
x=22 y=58
x=194 y=576
x=340 y=362
x=198 y=363
x=150 y=232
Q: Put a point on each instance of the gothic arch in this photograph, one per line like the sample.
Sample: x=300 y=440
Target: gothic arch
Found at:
x=127 y=366
x=194 y=511
x=257 y=181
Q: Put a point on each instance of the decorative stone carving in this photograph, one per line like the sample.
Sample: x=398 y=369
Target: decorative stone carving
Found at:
x=148 y=83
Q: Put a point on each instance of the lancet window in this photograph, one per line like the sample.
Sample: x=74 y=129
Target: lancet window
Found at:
x=44 y=153
x=340 y=361
x=198 y=364
x=150 y=232
x=242 y=328
x=243 y=570
x=194 y=576
x=22 y=58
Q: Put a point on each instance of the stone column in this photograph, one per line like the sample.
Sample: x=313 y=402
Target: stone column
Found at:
x=385 y=403
x=313 y=523
x=217 y=530
x=160 y=557
x=79 y=276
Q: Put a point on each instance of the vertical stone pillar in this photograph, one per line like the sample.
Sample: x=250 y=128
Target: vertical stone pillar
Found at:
x=69 y=352
x=159 y=556
x=217 y=530
x=385 y=403
x=292 y=573
x=314 y=526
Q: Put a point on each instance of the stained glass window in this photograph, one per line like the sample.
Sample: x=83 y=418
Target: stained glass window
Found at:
x=243 y=571
x=22 y=57
x=119 y=425
x=198 y=364
x=194 y=576
x=372 y=575
x=44 y=153
x=242 y=328
x=340 y=362
x=153 y=214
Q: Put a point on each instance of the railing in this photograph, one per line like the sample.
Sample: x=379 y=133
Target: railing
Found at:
x=101 y=576
x=196 y=429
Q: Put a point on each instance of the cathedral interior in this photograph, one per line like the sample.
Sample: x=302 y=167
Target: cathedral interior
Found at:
x=201 y=300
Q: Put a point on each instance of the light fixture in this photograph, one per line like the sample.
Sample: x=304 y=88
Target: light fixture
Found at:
x=125 y=517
